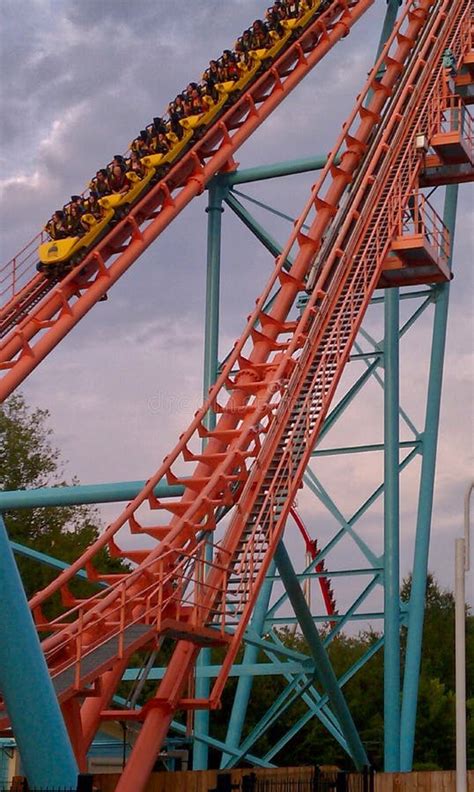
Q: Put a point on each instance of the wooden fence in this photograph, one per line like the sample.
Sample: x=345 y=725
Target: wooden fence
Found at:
x=426 y=781
x=204 y=780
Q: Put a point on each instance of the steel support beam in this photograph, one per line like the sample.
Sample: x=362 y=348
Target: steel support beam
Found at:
x=324 y=669
x=26 y=686
x=81 y=494
x=211 y=363
x=244 y=685
x=272 y=171
x=263 y=236
x=425 y=505
x=391 y=535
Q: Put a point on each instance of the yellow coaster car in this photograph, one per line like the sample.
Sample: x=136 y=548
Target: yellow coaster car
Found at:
x=158 y=160
x=72 y=249
x=59 y=251
x=304 y=19
x=267 y=53
x=115 y=200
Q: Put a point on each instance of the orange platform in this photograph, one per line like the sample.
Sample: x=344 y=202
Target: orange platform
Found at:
x=412 y=261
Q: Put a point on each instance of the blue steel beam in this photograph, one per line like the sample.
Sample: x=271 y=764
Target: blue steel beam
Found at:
x=391 y=535
x=81 y=494
x=305 y=718
x=425 y=503
x=211 y=363
x=273 y=171
x=323 y=667
x=26 y=686
x=244 y=685
x=257 y=230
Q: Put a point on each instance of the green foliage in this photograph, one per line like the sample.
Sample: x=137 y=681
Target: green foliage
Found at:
x=434 y=748
x=29 y=460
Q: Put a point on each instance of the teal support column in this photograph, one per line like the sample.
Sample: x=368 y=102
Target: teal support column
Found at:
x=323 y=667
x=82 y=494
x=391 y=535
x=425 y=505
x=389 y=22
x=273 y=171
x=211 y=363
x=27 y=688
x=244 y=685
x=263 y=236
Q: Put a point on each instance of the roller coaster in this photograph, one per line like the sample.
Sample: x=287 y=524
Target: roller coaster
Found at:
x=236 y=470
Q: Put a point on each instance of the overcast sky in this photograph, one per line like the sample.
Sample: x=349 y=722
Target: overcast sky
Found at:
x=80 y=78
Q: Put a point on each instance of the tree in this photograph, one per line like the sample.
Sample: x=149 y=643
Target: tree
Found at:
x=29 y=460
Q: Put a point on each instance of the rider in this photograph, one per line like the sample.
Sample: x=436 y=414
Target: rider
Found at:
x=56 y=226
x=118 y=181
x=74 y=226
x=211 y=78
x=92 y=205
x=100 y=183
x=134 y=164
x=260 y=35
x=273 y=21
x=228 y=65
x=293 y=8
x=141 y=144
x=196 y=103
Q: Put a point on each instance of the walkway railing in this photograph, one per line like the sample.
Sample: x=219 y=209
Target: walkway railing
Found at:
x=18 y=271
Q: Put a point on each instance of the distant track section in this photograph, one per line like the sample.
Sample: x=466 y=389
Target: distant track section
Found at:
x=33 y=322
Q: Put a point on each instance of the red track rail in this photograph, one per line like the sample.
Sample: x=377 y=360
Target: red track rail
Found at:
x=37 y=333
x=312 y=550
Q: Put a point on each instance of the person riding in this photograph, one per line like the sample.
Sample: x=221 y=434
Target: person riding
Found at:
x=260 y=35
x=228 y=66
x=77 y=200
x=279 y=8
x=211 y=78
x=181 y=106
x=175 y=115
x=188 y=92
x=196 y=103
x=141 y=144
x=159 y=125
x=74 y=226
x=118 y=181
x=292 y=8
x=273 y=21
x=56 y=226
x=134 y=164
x=100 y=183
x=244 y=42
x=92 y=205
x=119 y=160
x=92 y=208
x=161 y=144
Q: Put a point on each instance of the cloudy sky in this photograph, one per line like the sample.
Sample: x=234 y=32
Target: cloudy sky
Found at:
x=80 y=78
